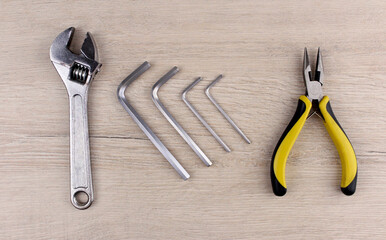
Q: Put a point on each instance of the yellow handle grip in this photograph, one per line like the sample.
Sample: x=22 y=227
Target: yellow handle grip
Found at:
x=343 y=145
x=285 y=144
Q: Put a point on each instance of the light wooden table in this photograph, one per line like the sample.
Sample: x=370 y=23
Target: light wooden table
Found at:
x=258 y=46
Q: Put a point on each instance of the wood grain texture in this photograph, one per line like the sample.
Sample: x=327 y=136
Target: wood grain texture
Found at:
x=258 y=46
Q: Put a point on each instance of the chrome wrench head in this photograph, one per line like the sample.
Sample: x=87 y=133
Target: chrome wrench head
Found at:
x=77 y=71
x=80 y=68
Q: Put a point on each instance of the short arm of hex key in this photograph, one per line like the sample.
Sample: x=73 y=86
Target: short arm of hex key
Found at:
x=142 y=124
x=202 y=120
x=207 y=92
x=173 y=121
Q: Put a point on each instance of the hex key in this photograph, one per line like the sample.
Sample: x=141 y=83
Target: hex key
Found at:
x=202 y=120
x=171 y=119
x=142 y=124
x=207 y=92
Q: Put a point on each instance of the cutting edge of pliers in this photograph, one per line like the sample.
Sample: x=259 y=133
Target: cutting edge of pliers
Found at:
x=314 y=102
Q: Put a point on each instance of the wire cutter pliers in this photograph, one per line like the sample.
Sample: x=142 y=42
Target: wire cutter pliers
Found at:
x=314 y=102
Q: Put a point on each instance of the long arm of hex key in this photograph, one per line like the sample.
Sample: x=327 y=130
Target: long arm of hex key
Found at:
x=171 y=119
x=142 y=124
x=211 y=98
x=202 y=120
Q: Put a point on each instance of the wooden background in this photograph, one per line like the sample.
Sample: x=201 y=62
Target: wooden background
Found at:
x=258 y=46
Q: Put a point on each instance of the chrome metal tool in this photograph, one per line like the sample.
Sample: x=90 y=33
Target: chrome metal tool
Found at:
x=142 y=124
x=77 y=72
x=202 y=120
x=171 y=119
x=221 y=110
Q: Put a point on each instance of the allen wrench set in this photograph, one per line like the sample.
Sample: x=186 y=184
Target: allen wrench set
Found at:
x=202 y=120
x=172 y=120
x=151 y=135
x=143 y=125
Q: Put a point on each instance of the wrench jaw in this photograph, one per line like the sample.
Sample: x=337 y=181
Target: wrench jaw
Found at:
x=89 y=49
x=59 y=51
x=79 y=68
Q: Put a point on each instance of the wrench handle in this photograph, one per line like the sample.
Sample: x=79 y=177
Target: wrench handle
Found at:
x=80 y=165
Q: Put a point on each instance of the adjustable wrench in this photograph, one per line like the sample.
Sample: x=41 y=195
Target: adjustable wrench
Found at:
x=77 y=71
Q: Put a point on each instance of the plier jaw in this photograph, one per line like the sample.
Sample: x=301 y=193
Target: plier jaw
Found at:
x=314 y=86
x=314 y=90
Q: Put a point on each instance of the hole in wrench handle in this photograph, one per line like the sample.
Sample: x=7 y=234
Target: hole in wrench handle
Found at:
x=81 y=199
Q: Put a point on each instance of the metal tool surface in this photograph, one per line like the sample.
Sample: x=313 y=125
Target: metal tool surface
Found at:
x=172 y=120
x=77 y=72
x=142 y=124
x=202 y=120
x=221 y=110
